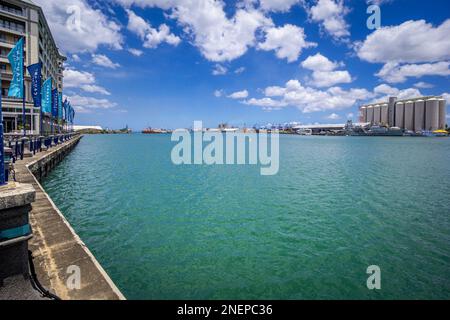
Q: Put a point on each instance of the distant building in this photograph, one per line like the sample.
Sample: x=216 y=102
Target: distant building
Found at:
x=22 y=18
x=80 y=128
x=418 y=114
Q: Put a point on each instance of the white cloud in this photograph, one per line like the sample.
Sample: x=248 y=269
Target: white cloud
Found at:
x=218 y=93
x=423 y=85
x=309 y=99
x=410 y=42
x=350 y=115
x=287 y=42
x=82 y=80
x=136 y=52
x=392 y=72
x=218 y=37
x=384 y=91
x=104 y=61
x=330 y=13
x=277 y=5
x=78 y=27
x=88 y=103
x=267 y=104
x=324 y=73
x=239 y=95
x=446 y=96
x=76 y=58
x=239 y=70
x=219 y=70
x=152 y=37
x=334 y=116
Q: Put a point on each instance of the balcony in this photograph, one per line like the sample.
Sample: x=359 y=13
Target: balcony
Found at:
x=16 y=12
x=12 y=28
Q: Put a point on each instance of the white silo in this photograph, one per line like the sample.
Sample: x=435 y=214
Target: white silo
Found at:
x=409 y=115
x=370 y=114
x=432 y=114
x=385 y=114
x=442 y=113
x=419 y=115
x=363 y=112
x=400 y=115
x=377 y=114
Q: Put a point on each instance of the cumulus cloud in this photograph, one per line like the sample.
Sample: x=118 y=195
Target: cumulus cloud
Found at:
x=151 y=37
x=82 y=80
x=410 y=42
x=104 y=61
x=218 y=93
x=136 y=52
x=218 y=37
x=78 y=27
x=287 y=42
x=239 y=70
x=393 y=72
x=334 y=116
x=330 y=14
x=324 y=73
x=277 y=5
x=219 y=70
x=239 y=95
x=88 y=104
x=308 y=99
x=423 y=85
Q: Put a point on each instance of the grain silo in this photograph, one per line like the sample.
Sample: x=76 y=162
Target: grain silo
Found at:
x=400 y=115
x=409 y=115
x=370 y=114
x=363 y=114
x=442 y=113
x=419 y=115
x=432 y=114
x=377 y=114
x=385 y=114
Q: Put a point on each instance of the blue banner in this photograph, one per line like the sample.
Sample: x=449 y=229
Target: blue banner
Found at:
x=47 y=96
x=60 y=106
x=15 y=57
x=55 y=103
x=36 y=83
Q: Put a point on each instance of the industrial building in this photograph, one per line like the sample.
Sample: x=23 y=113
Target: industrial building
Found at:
x=22 y=18
x=417 y=115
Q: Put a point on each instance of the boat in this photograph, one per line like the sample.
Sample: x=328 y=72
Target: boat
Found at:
x=378 y=131
x=440 y=133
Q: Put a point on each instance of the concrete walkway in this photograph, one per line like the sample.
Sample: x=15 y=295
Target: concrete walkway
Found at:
x=55 y=245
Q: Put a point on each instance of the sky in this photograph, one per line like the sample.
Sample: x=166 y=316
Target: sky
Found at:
x=168 y=63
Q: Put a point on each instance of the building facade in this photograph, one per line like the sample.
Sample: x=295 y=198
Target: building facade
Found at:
x=23 y=18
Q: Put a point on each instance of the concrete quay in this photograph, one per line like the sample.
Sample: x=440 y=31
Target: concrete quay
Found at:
x=57 y=249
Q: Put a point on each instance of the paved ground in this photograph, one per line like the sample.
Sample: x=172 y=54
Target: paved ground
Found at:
x=56 y=247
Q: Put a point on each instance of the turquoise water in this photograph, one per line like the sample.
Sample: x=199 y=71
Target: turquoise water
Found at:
x=338 y=205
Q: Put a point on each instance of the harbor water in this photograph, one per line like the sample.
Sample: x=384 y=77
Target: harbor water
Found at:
x=337 y=206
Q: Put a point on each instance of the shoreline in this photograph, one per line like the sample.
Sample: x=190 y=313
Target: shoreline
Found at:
x=55 y=244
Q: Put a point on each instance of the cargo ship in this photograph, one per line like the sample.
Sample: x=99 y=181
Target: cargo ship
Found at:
x=154 y=131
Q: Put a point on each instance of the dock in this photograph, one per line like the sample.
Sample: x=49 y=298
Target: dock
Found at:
x=55 y=245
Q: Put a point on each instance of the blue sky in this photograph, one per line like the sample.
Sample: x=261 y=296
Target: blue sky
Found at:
x=166 y=63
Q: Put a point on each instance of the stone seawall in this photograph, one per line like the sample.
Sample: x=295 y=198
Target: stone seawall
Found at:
x=59 y=253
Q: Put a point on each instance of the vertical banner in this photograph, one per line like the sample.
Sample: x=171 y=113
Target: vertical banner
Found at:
x=60 y=106
x=47 y=96
x=36 y=81
x=55 y=103
x=15 y=57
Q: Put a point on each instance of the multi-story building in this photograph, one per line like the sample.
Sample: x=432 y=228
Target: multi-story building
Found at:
x=23 y=18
